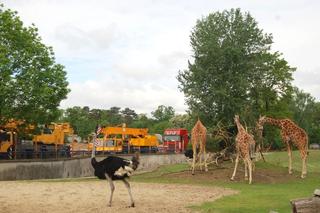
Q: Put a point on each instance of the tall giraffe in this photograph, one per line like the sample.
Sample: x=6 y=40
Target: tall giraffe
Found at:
x=198 y=138
x=244 y=147
x=291 y=134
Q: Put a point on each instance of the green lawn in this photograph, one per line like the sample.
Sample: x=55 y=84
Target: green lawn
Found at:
x=281 y=159
x=257 y=197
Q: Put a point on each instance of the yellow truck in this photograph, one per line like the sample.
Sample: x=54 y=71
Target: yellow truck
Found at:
x=21 y=142
x=54 y=140
x=125 y=140
x=9 y=138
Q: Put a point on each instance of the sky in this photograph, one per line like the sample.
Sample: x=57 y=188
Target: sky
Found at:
x=128 y=53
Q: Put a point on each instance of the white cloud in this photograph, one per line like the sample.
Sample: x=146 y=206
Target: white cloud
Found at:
x=128 y=53
x=105 y=94
x=75 y=39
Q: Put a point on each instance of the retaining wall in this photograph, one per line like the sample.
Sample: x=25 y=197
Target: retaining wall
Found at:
x=73 y=168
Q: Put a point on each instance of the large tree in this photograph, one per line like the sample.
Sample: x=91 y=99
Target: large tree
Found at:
x=233 y=69
x=128 y=116
x=163 y=113
x=306 y=113
x=32 y=84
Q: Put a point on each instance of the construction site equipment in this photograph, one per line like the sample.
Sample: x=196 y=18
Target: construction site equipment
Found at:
x=53 y=140
x=125 y=140
x=175 y=140
x=79 y=148
x=9 y=138
x=19 y=141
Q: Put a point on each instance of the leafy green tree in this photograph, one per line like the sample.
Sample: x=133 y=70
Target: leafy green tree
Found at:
x=181 y=121
x=163 y=113
x=306 y=113
x=142 y=121
x=114 y=116
x=79 y=119
x=32 y=84
x=233 y=70
x=158 y=127
x=314 y=134
x=99 y=116
x=128 y=116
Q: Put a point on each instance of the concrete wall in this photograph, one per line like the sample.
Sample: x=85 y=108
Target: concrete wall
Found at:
x=74 y=167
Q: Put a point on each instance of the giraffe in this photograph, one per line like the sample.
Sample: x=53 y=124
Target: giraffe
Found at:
x=291 y=134
x=244 y=148
x=198 y=138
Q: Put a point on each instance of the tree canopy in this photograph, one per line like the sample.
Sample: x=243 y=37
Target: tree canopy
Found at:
x=84 y=120
x=233 y=70
x=32 y=84
x=163 y=113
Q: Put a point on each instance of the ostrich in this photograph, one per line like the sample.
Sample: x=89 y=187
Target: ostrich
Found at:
x=115 y=168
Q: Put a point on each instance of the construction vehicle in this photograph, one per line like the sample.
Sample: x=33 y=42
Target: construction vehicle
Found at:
x=175 y=140
x=53 y=140
x=19 y=141
x=125 y=140
x=9 y=137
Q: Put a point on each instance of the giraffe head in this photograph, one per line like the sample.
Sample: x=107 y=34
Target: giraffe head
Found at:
x=259 y=125
x=236 y=118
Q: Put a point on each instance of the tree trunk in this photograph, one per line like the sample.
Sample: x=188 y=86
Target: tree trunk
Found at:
x=306 y=205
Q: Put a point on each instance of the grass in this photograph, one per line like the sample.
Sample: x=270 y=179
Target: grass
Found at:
x=257 y=197
x=261 y=197
x=281 y=159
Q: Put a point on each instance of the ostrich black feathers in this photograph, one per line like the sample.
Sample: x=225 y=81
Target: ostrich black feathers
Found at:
x=188 y=153
x=115 y=167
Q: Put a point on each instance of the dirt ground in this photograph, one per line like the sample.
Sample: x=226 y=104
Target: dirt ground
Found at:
x=224 y=172
x=91 y=196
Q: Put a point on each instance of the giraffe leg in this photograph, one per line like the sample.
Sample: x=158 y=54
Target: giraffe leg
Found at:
x=194 y=159
x=285 y=139
x=235 y=167
x=200 y=159
x=304 y=168
x=205 y=160
x=290 y=159
x=245 y=169
x=249 y=162
x=303 y=154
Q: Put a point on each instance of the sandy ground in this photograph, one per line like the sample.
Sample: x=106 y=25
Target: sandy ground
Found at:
x=92 y=196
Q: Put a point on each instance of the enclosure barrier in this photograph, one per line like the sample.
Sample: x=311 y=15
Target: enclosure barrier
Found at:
x=74 y=168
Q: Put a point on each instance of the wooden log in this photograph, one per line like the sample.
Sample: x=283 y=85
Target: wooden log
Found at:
x=307 y=205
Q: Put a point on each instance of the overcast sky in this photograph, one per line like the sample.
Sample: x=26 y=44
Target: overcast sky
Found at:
x=128 y=53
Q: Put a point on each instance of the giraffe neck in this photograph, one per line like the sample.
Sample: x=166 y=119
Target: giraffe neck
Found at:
x=239 y=126
x=273 y=121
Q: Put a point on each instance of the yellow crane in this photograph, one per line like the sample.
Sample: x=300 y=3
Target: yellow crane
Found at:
x=124 y=139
